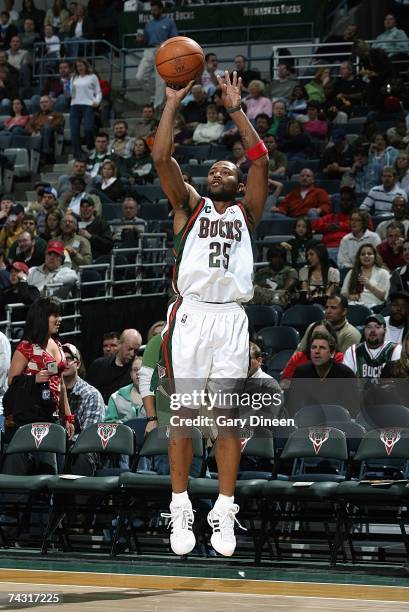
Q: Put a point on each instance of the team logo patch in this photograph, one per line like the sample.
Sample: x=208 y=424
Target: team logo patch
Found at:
x=183 y=319
x=318 y=436
x=106 y=432
x=39 y=432
x=247 y=435
x=161 y=371
x=390 y=437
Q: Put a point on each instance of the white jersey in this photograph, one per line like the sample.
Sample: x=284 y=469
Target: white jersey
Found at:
x=214 y=255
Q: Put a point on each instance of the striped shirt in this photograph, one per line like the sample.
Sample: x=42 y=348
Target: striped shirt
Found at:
x=86 y=404
x=380 y=201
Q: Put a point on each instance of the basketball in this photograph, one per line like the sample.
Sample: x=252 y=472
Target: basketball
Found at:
x=179 y=60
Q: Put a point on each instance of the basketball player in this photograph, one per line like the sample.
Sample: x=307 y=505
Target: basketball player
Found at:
x=207 y=330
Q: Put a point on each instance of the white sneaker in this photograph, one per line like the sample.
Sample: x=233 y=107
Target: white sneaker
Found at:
x=182 y=538
x=221 y=519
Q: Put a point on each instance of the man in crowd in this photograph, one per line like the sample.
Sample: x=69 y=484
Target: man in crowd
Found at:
x=19 y=292
x=48 y=200
x=78 y=247
x=348 y=87
x=359 y=235
x=283 y=86
x=7 y=30
x=307 y=199
x=110 y=343
x=399 y=210
x=277 y=276
x=364 y=174
x=95 y=229
x=52 y=277
x=130 y=225
x=79 y=170
x=400 y=277
x=28 y=249
x=98 y=155
x=195 y=111
x=145 y=125
x=210 y=74
x=71 y=200
x=277 y=161
x=46 y=123
x=246 y=74
x=338 y=157
x=58 y=88
x=121 y=144
x=393 y=41
x=336 y=310
x=108 y=374
x=21 y=60
x=397 y=320
x=29 y=36
x=380 y=198
x=391 y=249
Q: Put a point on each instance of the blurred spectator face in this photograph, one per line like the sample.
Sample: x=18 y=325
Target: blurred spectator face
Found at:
x=320 y=352
x=87 y=210
x=5 y=205
x=388 y=180
x=69 y=225
x=48 y=201
x=79 y=11
x=72 y=365
x=28 y=26
x=45 y=104
x=283 y=72
x=211 y=115
x=136 y=366
x=402 y=161
x=53 y=261
x=4 y=18
x=15 y=44
x=129 y=208
x=294 y=129
x=17 y=106
x=3 y=58
x=380 y=142
x=367 y=257
x=198 y=93
x=312 y=113
x=393 y=237
x=335 y=312
x=255 y=362
x=48 y=31
x=156 y=11
x=101 y=145
x=29 y=225
x=3 y=77
x=270 y=143
x=306 y=177
x=64 y=70
x=110 y=346
x=238 y=150
x=77 y=186
x=361 y=159
x=312 y=258
x=13 y=274
x=107 y=171
x=139 y=148
x=262 y=125
x=389 y=22
x=399 y=207
x=277 y=261
x=374 y=334
x=298 y=92
x=53 y=222
x=279 y=109
x=239 y=63
x=350 y=32
x=11 y=222
x=148 y=114
x=405 y=252
x=255 y=90
x=346 y=202
x=345 y=71
x=301 y=228
x=211 y=63
x=127 y=349
x=120 y=130
x=25 y=242
x=79 y=168
x=399 y=311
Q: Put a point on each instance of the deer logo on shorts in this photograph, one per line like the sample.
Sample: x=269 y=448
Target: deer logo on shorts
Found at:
x=247 y=434
x=390 y=437
x=318 y=436
x=106 y=432
x=39 y=432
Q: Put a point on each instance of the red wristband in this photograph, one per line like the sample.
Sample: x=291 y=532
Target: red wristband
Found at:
x=69 y=418
x=257 y=151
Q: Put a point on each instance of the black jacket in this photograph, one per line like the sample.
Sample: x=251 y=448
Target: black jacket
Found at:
x=101 y=237
x=22 y=293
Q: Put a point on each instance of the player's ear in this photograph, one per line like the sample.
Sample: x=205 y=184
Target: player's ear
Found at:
x=241 y=188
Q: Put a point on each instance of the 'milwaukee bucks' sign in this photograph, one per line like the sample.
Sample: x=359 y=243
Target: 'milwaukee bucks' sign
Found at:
x=275 y=20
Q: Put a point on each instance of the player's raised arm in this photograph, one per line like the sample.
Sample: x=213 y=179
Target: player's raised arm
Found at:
x=168 y=169
x=257 y=178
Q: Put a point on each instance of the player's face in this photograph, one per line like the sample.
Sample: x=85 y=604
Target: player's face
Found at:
x=223 y=181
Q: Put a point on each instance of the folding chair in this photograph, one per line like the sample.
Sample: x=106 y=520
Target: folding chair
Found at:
x=279 y=338
x=261 y=315
x=301 y=316
x=308 y=416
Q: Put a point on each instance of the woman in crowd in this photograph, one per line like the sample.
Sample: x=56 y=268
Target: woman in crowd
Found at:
x=57 y=16
x=40 y=354
x=53 y=220
x=401 y=166
x=138 y=168
x=317 y=88
x=19 y=118
x=298 y=100
x=278 y=126
x=318 y=279
x=126 y=403
x=86 y=96
x=368 y=281
x=80 y=29
x=314 y=126
x=240 y=158
x=181 y=134
x=210 y=131
x=256 y=101
x=108 y=187
x=298 y=245
x=380 y=154
x=296 y=143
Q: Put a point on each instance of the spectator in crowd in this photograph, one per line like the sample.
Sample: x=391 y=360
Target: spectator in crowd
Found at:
x=29 y=224
x=53 y=277
x=307 y=199
x=138 y=168
x=6 y=203
x=12 y=227
x=126 y=403
x=53 y=220
x=86 y=97
x=277 y=161
x=58 y=88
x=29 y=12
x=368 y=281
x=35 y=206
x=246 y=74
x=318 y=279
x=278 y=276
x=336 y=314
x=399 y=210
x=79 y=170
x=7 y=30
x=98 y=155
x=11 y=77
x=296 y=143
x=195 y=111
x=368 y=358
x=380 y=198
x=39 y=348
x=155 y=32
x=81 y=29
x=298 y=245
x=95 y=229
x=21 y=60
x=108 y=374
x=239 y=157
x=349 y=35
x=359 y=235
x=145 y=123
x=19 y=292
x=14 y=14
x=399 y=368
x=209 y=75
x=380 y=154
x=71 y=200
x=57 y=16
x=262 y=124
x=393 y=41
x=335 y=226
x=338 y=157
x=86 y=403
x=108 y=187
x=47 y=202
x=51 y=51
x=256 y=101
x=390 y=249
x=402 y=170
x=121 y=144
x=298 y=101
x=398 y=134
x=313 y=125
x=211 y=131
x=110 y=343
x=318 y=87
x=28 y=249
x=78 y=247
x=18 y=119
x=283 y=86
x=129 y=225
x=348 y=88
x=397 y=320
x=400 y=277
x=46 y=123
x=364 y=175
x=376 y=69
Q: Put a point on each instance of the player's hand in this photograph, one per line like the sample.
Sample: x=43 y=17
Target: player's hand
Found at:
x=177 y=95
x=231 y=90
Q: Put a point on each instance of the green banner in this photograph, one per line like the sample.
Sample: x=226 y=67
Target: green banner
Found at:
x=269 y=21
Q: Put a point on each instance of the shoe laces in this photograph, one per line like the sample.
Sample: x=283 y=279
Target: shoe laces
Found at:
x=224 y=521
x=179 y=518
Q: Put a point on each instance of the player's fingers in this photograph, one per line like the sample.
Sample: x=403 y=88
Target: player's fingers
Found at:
x=227 y=77
x=234 y=80
x=189 y=87
x=239 y=82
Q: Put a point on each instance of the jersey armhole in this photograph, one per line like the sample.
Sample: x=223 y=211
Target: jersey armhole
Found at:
x=248 y=217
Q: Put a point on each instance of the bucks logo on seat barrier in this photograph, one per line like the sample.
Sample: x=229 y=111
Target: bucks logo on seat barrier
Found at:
x=390 y=437
x=246 y=435
x=106 y=431
x=318 y=436
x=39 y=432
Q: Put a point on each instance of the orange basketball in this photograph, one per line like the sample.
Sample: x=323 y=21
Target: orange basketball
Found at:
x=179 y=60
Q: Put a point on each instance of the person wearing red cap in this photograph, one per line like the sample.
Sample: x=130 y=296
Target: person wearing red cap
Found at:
x=19 y=292
x=52 y=276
